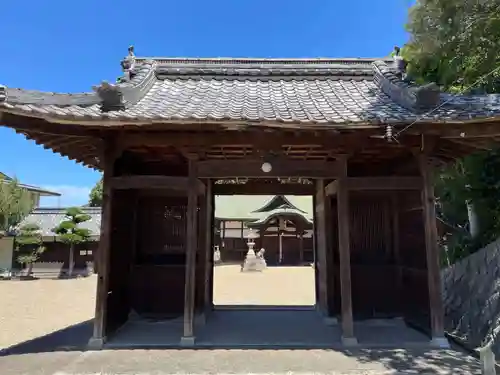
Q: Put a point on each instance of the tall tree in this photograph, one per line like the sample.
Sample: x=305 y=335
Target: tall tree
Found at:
x=95 y=197
x=29 y=245
x=455 y=44
x=16 y=203
x=70 y=233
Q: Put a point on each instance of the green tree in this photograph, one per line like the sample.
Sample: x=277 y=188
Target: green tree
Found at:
x=474 y=179
x=70 y=233
x=95 y=197
x=455 y=44
x=15 y=204
x=29 y=245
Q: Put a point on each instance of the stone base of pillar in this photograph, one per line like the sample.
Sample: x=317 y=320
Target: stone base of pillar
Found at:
x=440 y=342
x=330 y=320
x=349 y=341
x=187 y=341
x=96 y=343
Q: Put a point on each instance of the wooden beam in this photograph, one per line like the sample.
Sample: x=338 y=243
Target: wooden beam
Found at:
x=191 y=247
x=22 y=123
x=103 y=261
x=432 y=252
x=264 y=140
x=376 y=183
x=260 y=188
x=331 y=188
x=321 y=243
x=344 y=218
x=280 y=168
x=384 y=183
x=465 y=130
x=148 y=182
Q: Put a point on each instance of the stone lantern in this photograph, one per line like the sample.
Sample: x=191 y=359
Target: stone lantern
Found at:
x=252 y=262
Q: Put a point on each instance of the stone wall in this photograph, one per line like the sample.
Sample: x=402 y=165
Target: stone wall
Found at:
x=471 y=290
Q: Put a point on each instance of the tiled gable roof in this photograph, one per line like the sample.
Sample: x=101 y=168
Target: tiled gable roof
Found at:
x=243 y=207
x=43 y=192
x=49 y=218
x=324 y=92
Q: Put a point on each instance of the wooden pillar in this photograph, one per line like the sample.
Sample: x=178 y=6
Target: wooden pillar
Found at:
x=211 y=269
x=432 y=254
x=321 y=243
x=191 y=247
x=209 y=248
x=98 y=339
x=201 y=260
x=348 y=337
x=316 y=253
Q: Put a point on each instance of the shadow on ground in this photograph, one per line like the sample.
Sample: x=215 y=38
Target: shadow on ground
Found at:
x=51 y=349
x=429 y=361
x=72 y=338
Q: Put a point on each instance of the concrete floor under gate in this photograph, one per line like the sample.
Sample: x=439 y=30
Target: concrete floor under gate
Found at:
x=266 y=328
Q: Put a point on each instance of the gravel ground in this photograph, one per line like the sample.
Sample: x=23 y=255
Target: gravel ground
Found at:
x=36 y=308
x=274 y=286
x=30 y=309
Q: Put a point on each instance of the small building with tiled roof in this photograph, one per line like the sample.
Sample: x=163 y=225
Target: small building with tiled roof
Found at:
x=6 y=244
x=35 y=191
x=56 y=253
x=280 y=224
x=173 y=133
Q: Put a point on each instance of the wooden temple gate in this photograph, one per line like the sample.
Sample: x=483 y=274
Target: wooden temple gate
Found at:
x=349 y=132
x=157 y=238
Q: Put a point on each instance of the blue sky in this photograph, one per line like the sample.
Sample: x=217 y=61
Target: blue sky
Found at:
x=68 y=46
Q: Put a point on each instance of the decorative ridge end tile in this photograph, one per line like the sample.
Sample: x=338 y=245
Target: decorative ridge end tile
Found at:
x=3 y=93
x=111 y=97
x=413 y=97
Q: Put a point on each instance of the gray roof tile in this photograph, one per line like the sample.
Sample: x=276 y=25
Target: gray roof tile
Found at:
x=49 y=218
x=308 y=91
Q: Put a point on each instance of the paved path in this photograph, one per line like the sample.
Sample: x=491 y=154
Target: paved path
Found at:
x=159 y=362
x=62 y=353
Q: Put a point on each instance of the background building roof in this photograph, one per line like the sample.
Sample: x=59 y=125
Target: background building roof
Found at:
x=42 y=192
x=243 y=206
x=49 y=218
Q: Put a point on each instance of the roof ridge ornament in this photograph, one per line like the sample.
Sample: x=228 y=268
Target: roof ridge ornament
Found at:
x=128 y=66
x=399 y=63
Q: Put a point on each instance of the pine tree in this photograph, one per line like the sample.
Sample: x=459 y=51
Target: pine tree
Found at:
x=69 y=232
x=29 y=245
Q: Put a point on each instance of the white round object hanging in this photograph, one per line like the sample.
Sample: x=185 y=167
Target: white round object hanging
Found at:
x=266 y=167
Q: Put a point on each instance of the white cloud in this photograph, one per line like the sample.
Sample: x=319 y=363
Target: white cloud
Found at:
x=70 y=196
